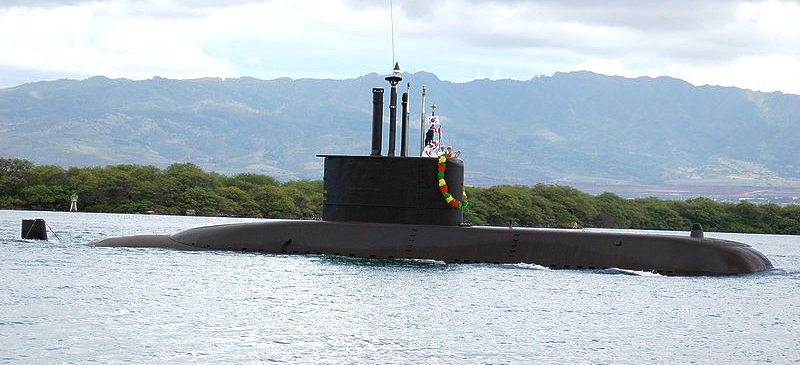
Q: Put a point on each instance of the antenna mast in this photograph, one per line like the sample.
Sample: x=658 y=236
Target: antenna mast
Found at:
x=391 y=19
x=422 y=129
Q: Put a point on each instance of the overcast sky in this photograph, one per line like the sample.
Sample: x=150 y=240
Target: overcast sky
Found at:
x=748 y=44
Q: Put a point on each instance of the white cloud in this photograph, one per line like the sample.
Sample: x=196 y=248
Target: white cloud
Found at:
x=764 y=73
x=610 y=67
x=99 y=38
x=752 y=44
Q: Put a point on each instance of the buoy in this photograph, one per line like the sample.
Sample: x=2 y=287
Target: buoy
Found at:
x=697 y=231
x=34 y=229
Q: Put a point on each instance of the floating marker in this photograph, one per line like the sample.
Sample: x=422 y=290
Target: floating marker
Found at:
x=34 y=229
x=697 y=231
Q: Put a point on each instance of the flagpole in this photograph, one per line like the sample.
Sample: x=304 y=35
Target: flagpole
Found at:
x=439 y=129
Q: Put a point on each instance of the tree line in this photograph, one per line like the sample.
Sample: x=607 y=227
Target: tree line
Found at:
x=565 y=207
x=184 y=186
x=141 y=189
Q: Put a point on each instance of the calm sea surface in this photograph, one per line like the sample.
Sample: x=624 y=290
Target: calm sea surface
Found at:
x=67 y=302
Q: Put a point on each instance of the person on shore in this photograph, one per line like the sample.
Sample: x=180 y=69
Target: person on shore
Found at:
x=73 y=206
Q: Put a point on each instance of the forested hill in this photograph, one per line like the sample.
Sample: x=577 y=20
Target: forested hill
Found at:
x=569 y=128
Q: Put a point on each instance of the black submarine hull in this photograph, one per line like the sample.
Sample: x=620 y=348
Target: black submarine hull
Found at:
x=556 y=249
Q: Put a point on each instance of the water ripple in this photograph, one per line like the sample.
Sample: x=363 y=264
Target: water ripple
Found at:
x=72 y=303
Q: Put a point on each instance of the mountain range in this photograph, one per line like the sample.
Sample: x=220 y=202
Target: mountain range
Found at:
x=576 y=128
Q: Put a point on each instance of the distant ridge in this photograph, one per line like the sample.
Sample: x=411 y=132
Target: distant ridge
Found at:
x=570 y=128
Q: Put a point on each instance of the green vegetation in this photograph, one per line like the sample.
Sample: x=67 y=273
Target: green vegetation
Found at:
x=140 y=189
x=562 y=206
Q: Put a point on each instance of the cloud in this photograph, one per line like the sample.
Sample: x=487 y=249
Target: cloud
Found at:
x=94 y=38
x=681 y=29
x=183 y=39
x=457 y=39
x=39 y=3
x=623 y=37
x=767 y=72
x=603 y=66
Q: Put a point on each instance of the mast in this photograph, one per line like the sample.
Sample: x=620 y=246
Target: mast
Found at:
x=394 y=79
x=404 y=123
x=422 y=124
x=439 y=134
x=377 y=120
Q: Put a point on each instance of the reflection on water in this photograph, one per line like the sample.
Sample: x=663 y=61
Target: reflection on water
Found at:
x=70 y=302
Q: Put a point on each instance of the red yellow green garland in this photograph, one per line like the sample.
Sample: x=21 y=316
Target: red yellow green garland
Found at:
x=455 y=203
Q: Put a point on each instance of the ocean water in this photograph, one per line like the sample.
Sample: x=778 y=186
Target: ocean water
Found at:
x=67 y=302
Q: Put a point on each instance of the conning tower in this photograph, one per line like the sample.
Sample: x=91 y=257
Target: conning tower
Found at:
x=390 y=189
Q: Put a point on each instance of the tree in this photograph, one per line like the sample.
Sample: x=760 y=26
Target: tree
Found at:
x=13 y=175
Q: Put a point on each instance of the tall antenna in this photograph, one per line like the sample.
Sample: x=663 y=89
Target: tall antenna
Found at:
x=391 y=19
x=422 y=129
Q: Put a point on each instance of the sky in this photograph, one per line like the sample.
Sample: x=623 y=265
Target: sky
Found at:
x=747 y=44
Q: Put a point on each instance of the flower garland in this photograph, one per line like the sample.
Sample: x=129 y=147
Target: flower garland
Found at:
x=455 y=203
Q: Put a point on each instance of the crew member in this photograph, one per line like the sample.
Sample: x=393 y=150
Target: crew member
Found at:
x=429 y=135
x=430 y=150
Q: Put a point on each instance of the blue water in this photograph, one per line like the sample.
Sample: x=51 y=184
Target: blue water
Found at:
x=67 y=302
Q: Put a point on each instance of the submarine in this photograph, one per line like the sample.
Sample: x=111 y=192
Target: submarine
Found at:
x=392 y=207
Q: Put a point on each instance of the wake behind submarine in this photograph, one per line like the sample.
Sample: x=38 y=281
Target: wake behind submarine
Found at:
x=402 y=207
